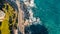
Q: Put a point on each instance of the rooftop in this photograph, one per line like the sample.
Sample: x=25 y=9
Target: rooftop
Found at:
x=2 y=14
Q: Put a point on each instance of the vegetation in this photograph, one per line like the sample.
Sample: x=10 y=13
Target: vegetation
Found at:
x=9 y=11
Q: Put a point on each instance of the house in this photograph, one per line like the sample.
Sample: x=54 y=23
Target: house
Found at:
x=2 y=15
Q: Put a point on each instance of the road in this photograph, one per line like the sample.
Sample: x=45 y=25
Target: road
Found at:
x=20 y=18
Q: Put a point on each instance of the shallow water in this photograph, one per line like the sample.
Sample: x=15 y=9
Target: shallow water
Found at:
x=49 y=13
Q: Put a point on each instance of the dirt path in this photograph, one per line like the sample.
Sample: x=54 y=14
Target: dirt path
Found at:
x=20 y=18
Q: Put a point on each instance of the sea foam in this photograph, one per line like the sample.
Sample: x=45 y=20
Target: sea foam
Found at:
x=32 y=19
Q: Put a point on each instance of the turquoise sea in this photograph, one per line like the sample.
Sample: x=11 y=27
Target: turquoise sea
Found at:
x=49 y=13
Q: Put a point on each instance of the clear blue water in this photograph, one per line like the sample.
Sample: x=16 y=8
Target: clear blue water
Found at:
x=49 y=13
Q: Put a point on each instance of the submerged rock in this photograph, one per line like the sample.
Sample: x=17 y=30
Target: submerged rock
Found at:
x=36 y=29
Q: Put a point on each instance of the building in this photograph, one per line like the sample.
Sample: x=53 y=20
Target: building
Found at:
x=2 y=15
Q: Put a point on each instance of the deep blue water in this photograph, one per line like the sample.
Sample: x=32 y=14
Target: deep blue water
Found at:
x=49 y=13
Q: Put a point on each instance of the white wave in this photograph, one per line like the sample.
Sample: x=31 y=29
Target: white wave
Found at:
x=32 y=19
x=39 y=21
x=31 y=14
x=30 y=4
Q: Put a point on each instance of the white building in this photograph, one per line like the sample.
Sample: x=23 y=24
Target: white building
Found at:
x=2 y=15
